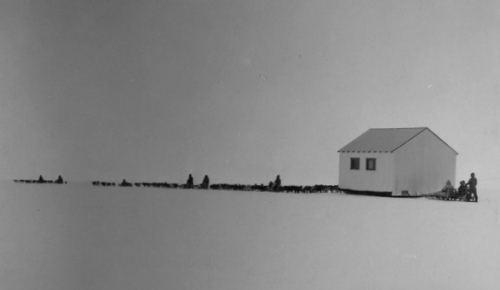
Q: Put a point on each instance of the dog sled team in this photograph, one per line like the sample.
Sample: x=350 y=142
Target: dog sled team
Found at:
x=465 y=192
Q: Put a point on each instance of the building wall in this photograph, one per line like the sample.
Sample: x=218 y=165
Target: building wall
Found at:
x=381 y=179
x=423 y=165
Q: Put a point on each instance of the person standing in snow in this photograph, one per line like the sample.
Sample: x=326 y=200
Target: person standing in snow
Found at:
x=189 y=183
x=59 y=180
x=205 y=182
x=472 y=186
x=277 y=183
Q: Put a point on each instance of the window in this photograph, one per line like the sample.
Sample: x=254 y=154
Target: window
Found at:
x=371 y=163
x=354 y=163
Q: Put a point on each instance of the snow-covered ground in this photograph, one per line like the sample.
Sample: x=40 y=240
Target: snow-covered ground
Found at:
x=77 y=236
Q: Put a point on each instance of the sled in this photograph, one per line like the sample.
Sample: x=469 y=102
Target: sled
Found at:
x=452 y=196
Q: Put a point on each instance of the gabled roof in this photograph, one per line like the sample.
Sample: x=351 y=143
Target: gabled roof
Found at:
x=385 y=140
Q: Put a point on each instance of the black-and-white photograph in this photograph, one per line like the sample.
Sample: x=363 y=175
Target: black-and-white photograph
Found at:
x=249 y=144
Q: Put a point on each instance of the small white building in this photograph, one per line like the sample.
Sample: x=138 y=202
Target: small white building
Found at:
x=393 y=161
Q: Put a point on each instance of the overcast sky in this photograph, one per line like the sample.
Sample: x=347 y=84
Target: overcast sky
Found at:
x=240 y=90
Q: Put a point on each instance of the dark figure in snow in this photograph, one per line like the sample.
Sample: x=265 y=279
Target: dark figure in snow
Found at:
x=206 y=182
x=189 y=183
x=448 y=189
x=59 y=180
x=462 y=191
x=277 y=183
x=125 y=183
x=472 y=186
x=270 y=186
x=41 y=180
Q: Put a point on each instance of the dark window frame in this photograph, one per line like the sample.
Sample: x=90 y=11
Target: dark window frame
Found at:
x=374 y=164
x=355 y=162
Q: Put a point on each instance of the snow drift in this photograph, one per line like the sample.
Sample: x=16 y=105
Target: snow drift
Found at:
x=78 y=236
